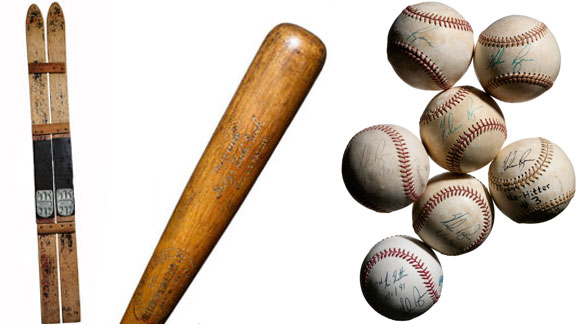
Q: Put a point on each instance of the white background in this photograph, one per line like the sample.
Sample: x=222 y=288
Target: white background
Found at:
x=148 y=83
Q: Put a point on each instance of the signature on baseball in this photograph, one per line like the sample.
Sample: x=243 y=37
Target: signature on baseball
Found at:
x=510 y=160
x=496 y=58
x=519 y=59
x=417 y=35
x=374 y=155
x=410 y=304
x=447 y=126
x=392 y=279
x=457 y=224
x=392 y=283
x=470 y=109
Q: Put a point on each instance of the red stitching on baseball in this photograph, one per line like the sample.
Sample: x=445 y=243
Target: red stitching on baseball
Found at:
x=453 y=191
x=435 y=19
x=403 y=159
x=454 y=156
x=529 y=176
x=534 y=34
x=536 y=79
x=538 y=213
x=424 y=61
x=413 y=260
x=439 y=111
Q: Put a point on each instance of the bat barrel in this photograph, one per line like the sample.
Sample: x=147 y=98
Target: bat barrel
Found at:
x=263 y=106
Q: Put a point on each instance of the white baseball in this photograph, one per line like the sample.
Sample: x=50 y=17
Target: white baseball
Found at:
x=430 y=46
x=517 y=58
x=531 y=180
x=385 y=168
x=455 y=214
x=401 y=278
x=462 y=129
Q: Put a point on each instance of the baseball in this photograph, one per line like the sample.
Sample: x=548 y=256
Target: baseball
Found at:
x=430 y=46
x=385 y=168
x=401 y=278
x=531 y=180
x=462 y=129
x=517 y=59
x=455 y=214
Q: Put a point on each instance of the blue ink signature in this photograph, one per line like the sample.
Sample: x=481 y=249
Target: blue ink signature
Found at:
x=454 y=222
x=384 y=282
x=470 y=109
x=393 y=283
x=519 y=59
x=454 y=225
x=398 y=275
x=496 y=59
x=447 y=126
x=412 y=38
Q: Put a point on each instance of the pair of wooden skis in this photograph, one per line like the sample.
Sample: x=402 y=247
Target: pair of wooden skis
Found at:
x=52 y=166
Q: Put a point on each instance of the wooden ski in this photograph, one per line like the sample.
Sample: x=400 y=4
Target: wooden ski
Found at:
x=62 y=161
x=45 y=218
x=52 y=166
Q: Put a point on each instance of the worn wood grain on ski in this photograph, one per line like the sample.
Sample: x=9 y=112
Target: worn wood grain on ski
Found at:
x=62 y=159
x=36 y=50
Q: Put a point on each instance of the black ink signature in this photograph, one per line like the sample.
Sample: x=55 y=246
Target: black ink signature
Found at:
x=465 y=232
x=408 y=305
x=510 y=159
x=418 y=299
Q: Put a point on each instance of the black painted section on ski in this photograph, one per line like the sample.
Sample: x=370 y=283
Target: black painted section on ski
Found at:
x=43 y=178
x=63 y=175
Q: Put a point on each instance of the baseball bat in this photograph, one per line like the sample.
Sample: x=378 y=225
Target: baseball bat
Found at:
x=275 y=85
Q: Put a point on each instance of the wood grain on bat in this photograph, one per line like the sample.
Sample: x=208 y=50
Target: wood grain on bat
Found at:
x=267 y=99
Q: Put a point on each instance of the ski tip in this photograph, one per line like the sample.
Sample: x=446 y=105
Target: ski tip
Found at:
x=33 y=9
x=34 y=16
x=56 y=11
